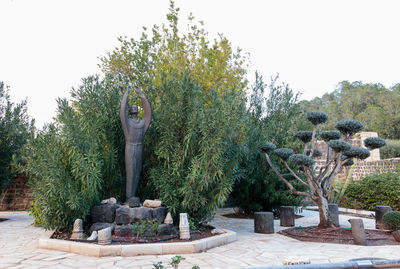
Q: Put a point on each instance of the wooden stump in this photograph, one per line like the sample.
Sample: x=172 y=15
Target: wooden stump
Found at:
x=381 y=210
x=264 y=222
x=286 y=216
x=334 y=214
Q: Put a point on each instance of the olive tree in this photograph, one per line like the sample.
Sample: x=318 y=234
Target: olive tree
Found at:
x=340 y=153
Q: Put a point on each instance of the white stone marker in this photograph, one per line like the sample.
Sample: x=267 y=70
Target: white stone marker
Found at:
x=104 y=236
x=184 y=230
x=168 y=219
x=77 y=232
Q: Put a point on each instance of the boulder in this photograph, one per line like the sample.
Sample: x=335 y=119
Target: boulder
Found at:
x=103 y=213
x=152 y=203
x=110 y=201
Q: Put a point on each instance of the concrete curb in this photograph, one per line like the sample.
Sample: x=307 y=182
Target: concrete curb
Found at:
x=138 y=249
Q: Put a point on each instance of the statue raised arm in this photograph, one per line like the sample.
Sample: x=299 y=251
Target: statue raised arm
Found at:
x=134 y=131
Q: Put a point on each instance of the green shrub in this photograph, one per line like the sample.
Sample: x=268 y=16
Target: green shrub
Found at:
x=15 y=129
x=257 y=187
x=372 y=190
x=392 y=219
x=391 y=150
x=194 y=138
x=76 y=162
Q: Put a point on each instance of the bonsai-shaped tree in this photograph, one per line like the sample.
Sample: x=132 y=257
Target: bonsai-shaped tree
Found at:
x=340 y=153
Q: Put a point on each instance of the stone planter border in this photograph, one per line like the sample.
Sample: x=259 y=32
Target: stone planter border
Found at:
x=138 y=249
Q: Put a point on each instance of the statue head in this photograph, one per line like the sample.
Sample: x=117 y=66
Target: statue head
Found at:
x=133 y=111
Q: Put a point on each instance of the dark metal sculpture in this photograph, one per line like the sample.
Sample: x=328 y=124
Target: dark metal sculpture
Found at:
x=134 y=131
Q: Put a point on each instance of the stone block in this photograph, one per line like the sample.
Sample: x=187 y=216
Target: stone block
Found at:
x=103 y=213
x=334 y=214
x=264 y=222
x=358 y=232
x=159 y=213
x=140 y=213
x=134 y=202
x=381 y=210
x=122 y=216
x=100 y=226
x=286 y=216
x=124 y=230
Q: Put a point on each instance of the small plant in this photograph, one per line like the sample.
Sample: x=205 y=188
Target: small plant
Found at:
x=158 y=265
x=176 y=260
x=148 y=227
x=392 y=219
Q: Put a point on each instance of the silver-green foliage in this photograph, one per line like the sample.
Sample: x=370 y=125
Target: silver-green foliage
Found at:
x=75 y=162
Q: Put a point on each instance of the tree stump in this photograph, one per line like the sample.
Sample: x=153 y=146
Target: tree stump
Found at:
x=381 y=210
x=358 y=232
x=334 y=214
x=286 y=216
x=264 y=222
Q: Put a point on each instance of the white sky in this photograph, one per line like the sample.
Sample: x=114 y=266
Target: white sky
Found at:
x=46 y=47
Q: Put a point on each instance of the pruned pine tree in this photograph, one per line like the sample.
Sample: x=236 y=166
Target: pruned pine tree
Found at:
x=340 y=153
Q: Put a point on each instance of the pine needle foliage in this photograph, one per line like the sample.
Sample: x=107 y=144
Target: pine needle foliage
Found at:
x=76 y=161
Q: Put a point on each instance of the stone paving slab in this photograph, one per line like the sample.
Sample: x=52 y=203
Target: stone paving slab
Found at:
x=18 y=247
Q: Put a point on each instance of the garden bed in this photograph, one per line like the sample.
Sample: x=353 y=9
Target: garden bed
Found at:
x=339 y=235
x=117 y=240
x=135 y=248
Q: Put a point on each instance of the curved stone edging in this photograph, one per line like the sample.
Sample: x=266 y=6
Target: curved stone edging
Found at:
x=138 y=249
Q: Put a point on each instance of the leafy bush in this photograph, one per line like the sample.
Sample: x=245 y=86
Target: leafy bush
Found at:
x=15 y=129
x=372 y=190
x=391 y=150
x=257 y=187
x=392 y=219
x=194 y=140
x=76 y=162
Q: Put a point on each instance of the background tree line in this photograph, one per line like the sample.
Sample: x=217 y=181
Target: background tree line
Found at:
x=376 y=106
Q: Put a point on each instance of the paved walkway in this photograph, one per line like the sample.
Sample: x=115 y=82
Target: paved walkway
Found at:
x=18 y=248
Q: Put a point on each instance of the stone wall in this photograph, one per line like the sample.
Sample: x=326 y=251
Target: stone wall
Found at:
x=17 y=195
x=362 y=167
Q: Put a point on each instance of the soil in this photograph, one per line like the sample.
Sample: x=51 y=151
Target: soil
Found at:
x=194 y=235
x=338 y=235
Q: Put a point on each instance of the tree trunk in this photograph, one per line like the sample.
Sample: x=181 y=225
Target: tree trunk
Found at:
x=323 y=209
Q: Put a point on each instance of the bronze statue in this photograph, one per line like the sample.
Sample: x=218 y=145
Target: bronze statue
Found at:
x=134 y=131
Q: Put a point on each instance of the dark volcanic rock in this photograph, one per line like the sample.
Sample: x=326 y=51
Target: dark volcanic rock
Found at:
x=134 y=202
x=160 y=213
x=103 y=213
x=100 y=226
x=124 y=231
x=167 y=229
x=122 y=216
